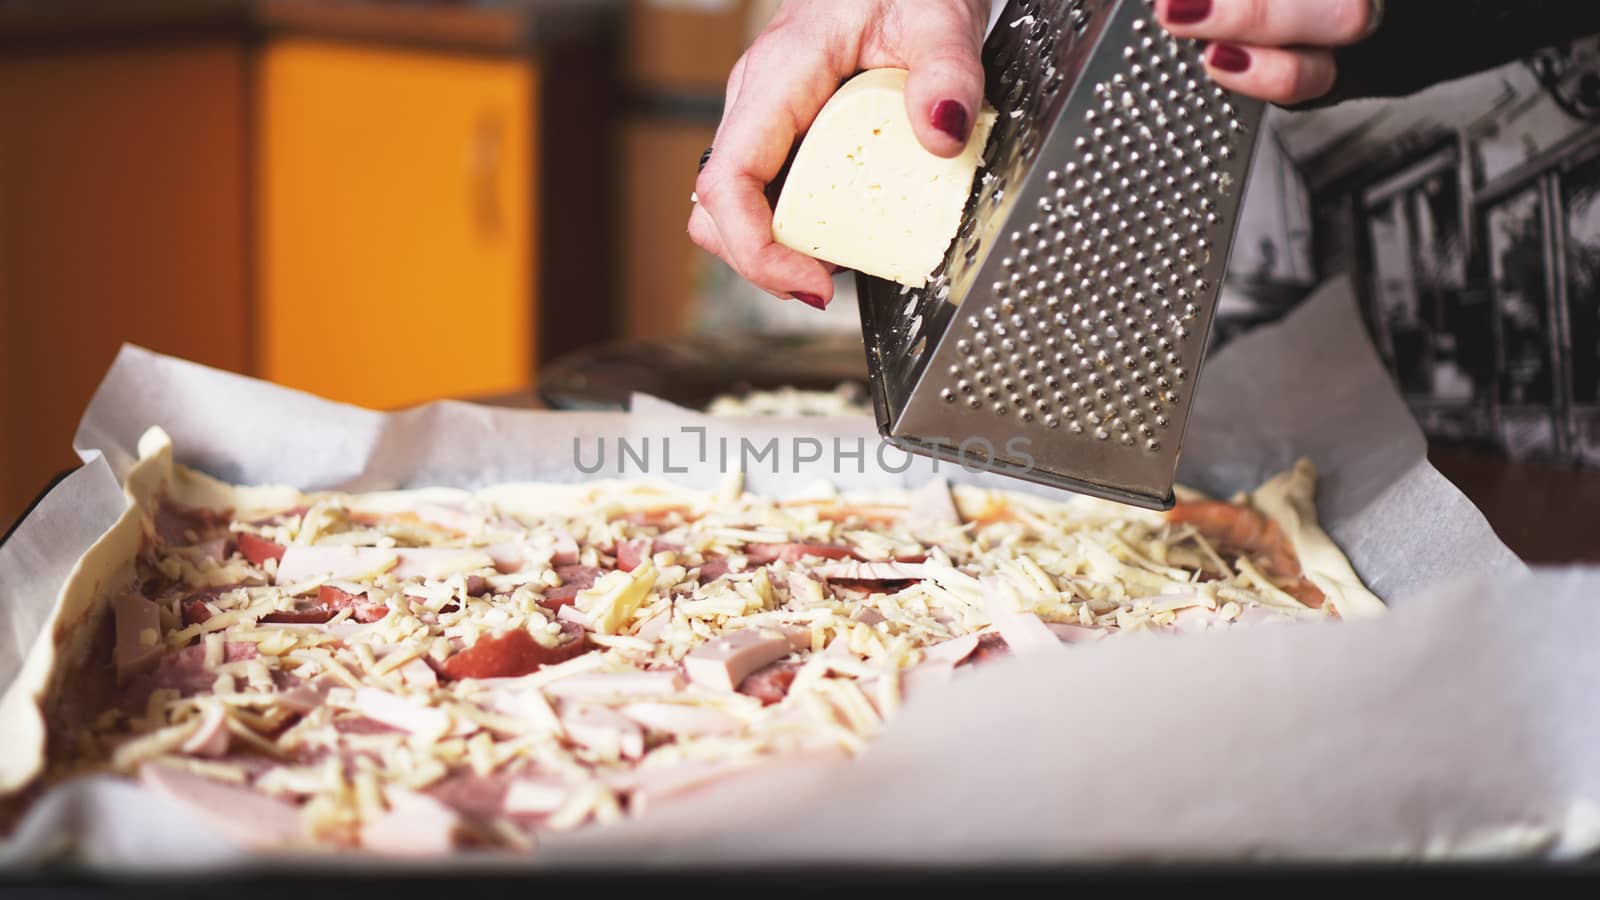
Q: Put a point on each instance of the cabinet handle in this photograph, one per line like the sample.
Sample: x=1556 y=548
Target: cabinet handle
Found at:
x=486 y=158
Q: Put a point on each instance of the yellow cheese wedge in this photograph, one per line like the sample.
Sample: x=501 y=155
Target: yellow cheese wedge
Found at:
x=862 y=193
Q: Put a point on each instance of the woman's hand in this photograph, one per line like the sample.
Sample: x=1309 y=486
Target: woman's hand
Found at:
x=1278 y=50
x=780 y=84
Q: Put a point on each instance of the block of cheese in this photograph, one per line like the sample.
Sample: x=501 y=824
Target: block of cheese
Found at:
x=864 y=194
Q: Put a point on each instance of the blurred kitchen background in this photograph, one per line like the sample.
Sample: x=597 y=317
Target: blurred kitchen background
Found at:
x=391 y=202
x=379 y=202
x=1469 y=218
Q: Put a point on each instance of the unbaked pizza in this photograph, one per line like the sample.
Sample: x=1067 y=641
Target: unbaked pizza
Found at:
x=420 y=670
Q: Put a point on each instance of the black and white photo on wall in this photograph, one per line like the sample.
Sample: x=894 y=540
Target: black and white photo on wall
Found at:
x=1468 y=216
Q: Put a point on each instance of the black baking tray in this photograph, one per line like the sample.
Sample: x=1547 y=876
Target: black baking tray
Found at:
x=968 y=882
x=38 y=498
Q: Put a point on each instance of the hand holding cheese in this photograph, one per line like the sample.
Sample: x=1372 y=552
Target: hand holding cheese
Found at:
x=782 y=82
x=863 y=193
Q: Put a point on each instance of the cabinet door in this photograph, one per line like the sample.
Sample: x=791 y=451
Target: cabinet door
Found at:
x=397 y=229
x=664 y=273
x=122 y=218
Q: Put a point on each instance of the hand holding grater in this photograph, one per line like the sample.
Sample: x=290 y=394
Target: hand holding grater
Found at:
x=1061 y=339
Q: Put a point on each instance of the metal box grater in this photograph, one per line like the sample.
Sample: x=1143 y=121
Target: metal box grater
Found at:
x=1062 y=337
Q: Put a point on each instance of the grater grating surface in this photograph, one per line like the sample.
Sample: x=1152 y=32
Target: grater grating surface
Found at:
x=1061 y=338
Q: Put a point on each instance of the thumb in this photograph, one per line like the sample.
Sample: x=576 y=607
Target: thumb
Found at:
x=944 y=91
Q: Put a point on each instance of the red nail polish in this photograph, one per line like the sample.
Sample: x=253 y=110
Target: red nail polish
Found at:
x=811 y=300
x=1229 y=58
x=1188 y=12
x=950 y=117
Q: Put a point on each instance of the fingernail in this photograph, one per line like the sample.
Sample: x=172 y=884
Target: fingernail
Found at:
x=1229 y=58
x=950 y=117
x=811 y=300
x=1188 y=12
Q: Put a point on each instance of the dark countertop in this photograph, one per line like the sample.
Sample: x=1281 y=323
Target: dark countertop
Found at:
x=1544 y=512
x=507 y=26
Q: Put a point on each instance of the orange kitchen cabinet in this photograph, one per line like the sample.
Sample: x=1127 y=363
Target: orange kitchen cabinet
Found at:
x=396 y=238
x=122 y=218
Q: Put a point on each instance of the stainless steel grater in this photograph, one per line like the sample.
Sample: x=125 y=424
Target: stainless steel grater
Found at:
x=1062 y=337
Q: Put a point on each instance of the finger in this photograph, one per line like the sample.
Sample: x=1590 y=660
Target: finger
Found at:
x=743 y=222
x=735 y=82
x=1284 y=77
x=703 y=231
x=757 y=133
x=1271 y=23
x=944 y=91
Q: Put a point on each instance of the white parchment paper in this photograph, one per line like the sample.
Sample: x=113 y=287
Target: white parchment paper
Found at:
x=1463 y=723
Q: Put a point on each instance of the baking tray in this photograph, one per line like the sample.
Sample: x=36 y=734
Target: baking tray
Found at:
x=431 y=881
x=430 y=884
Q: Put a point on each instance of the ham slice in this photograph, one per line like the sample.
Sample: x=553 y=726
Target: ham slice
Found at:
x=682 y=720
x=1025 y=633
x=574 y=578
x=211 y=738
x=306 y=695
x=580 y=576
x=415 y=825
x=138 y=626
x=185 y=671
x=399 y=712
x=301 y=563
x=722 y=663
x=176 y=523
x=478 y=798
x=867 y=616
x=952 y=651
x=603 y=730
x=933 y=504
x=713 y=568
x=240 y=814
x=631 y=553
x=650 y=629
x=418 y=675
x=565 y=550
x=616 y=684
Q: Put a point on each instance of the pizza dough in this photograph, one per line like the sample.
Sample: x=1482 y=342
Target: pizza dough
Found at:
x=411 y=671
